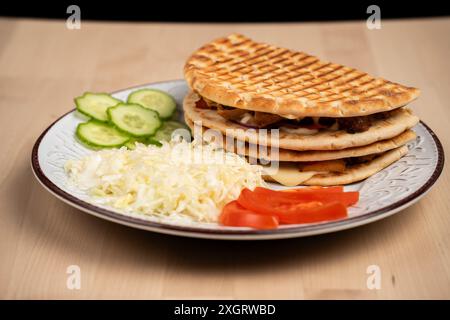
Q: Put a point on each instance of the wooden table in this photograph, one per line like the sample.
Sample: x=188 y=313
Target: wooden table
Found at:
x=43 y=66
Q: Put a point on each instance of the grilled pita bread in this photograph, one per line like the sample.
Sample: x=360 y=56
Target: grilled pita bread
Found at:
x=235 y=71
x=401 y=120
x=353 y=174
x=298 y=156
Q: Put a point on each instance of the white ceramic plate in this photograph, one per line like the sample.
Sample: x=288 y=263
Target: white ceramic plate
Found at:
x=385 y=193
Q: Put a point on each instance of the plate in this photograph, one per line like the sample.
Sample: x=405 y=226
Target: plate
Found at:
x=383 y=194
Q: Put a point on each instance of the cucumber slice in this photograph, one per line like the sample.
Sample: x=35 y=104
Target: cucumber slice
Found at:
x=94 y=105
x=156 y=100
x=134 y=119
x=98 y=134
x=165 y=132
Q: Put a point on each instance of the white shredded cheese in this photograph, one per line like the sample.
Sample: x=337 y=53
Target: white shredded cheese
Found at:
x=178 y=180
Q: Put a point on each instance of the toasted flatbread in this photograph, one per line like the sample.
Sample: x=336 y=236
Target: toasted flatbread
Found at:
x=298 y=156
x=238 y=72
x=401 y=120
x=352 y=174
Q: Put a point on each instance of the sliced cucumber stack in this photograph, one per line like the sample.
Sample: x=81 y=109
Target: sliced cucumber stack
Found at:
x=134 y=119
x=100 y=135
x=115 y=123
x=165 y=132
x=156 y=100
x=95 y=105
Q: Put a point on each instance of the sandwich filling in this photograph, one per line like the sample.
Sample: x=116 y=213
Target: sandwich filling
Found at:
x=305 y=125
x=294 y=173
x=338 y=165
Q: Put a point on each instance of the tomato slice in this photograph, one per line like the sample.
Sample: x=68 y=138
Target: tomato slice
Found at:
x=290 y=209
x=235 y=215
x=308 y=195
x=312 y=212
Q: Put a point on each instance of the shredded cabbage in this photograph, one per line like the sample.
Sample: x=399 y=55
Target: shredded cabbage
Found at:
x=179 y=179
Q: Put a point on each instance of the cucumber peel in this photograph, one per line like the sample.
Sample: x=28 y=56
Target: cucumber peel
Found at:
x=165 y=132
x=156 y=100
x=96 y=134
x=95 y=105
x=134 y=119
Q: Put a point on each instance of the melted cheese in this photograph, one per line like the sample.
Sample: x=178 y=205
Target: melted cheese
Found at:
x=337 y=165
x=289 y=175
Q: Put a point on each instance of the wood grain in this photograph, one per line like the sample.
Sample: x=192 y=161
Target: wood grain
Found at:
x=43 y=66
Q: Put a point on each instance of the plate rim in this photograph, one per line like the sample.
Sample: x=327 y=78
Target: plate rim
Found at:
x=192 y=231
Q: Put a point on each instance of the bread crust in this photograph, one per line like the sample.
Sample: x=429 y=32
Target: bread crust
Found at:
x=238 y=72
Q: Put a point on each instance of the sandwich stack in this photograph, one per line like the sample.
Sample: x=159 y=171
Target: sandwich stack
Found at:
x=336 y=125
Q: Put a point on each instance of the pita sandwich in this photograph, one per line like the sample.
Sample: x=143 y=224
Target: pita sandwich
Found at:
x=332 y=124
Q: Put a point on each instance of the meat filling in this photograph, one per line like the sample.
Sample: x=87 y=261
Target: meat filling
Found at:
x=360 y=160
x=257 y=119
x=355 y=124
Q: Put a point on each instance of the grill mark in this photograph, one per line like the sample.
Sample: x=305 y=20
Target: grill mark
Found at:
x=245 y=60
x=371 y=96
x=351 y=88
x=260 y=66
x=285 y=66
x=239 y=53
x=319 y=68
x=218 y=63
x=377 y=86
x=362 y=84
x=237 y=69
x=340 y=85
x=331 y=71
x=262 y=73
x=293 y=55
x=264 y=49
x=262 y=63
x=288 y=86
x=300 y=67
x=375 y=93
x=283 y=52
x=323 y=82
x=239 y=44
x=279 y=54
x=281 y=61
x=278 y=67
x=304 y=73
x=306 y=65
x=318 y=84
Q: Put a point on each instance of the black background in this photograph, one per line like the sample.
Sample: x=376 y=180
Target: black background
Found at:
x=223 y=10
x=284 y=309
